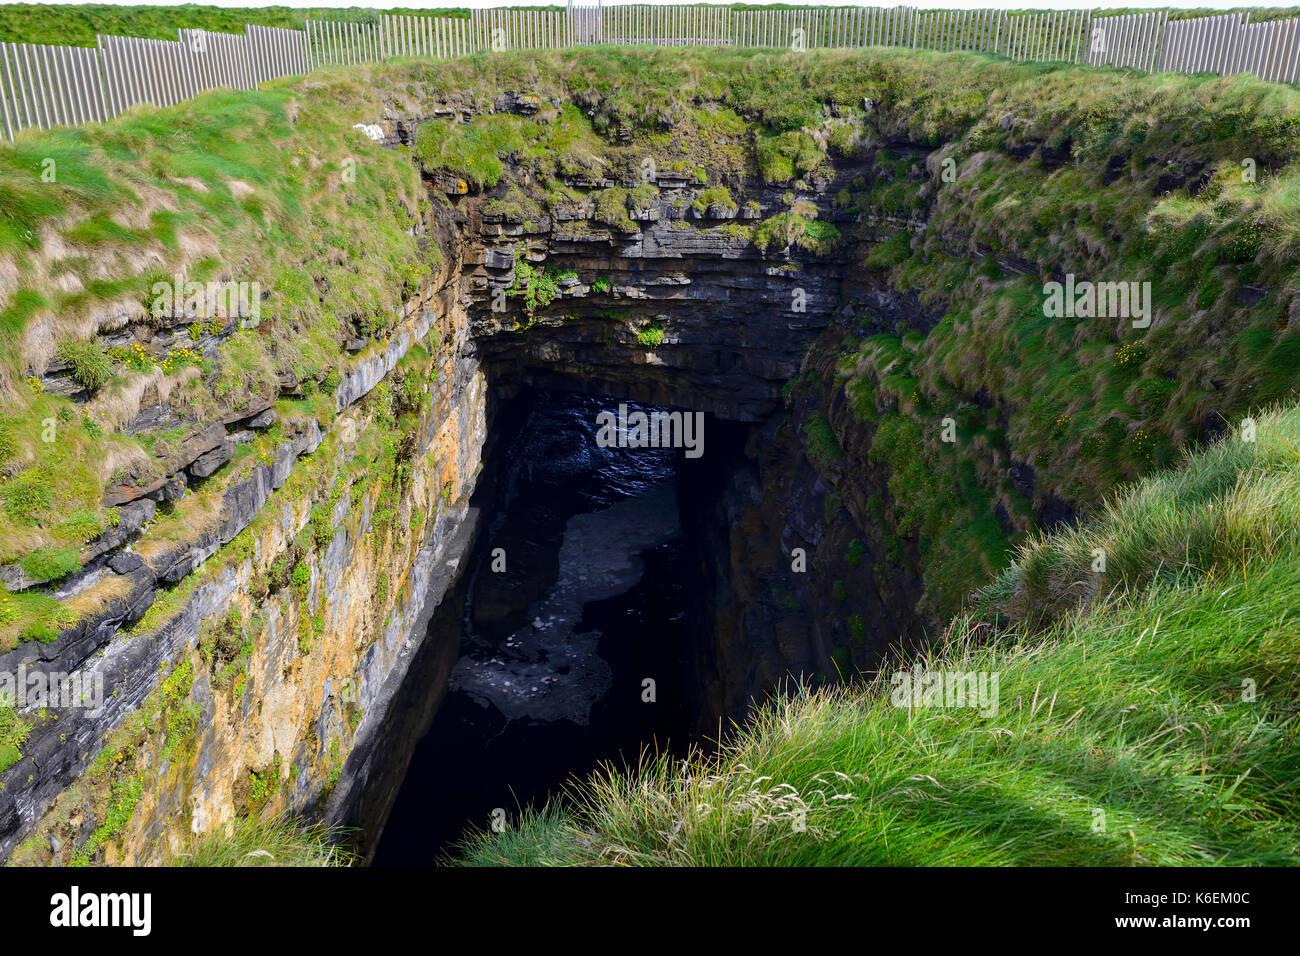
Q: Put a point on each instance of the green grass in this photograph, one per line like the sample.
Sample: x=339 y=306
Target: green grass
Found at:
x=49 y=563
x=796 y=229
x=783 y=156
x=90 y=364
x=303 y=228
x=1152 y=724
x=1234 y=504
x=77 y=24
x=714 y=196
x=31 y=616
x=13 y=731
x=820 y=441
x=516 y=206
x=281 y=841
x=126 y=794
x=476 y=153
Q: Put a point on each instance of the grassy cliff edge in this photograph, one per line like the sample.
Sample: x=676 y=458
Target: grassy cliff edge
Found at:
x=1145 y=714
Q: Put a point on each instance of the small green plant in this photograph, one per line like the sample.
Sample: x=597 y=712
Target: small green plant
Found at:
x=13 y=731
x=302 y=577
x=844 y=140
x=322 y=530
x=178 y=358
x=719 y=196
x=26 y=496
x=612 y=209
x=262 y=785
x=133 y=356
x=91 y=367
x=125 y=795
x=823 y=447
x=46 y=564
x=795 y=229
x=515 y=206
x=857 y=629
x=537 y=287
x=652 y=336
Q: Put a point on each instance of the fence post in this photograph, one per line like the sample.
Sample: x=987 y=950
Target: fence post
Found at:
x=24 y=118
x=7 y=92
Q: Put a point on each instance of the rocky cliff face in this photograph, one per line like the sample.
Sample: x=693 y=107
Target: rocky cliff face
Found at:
x=681 y=313
x=794 y=583
x=684 y=312
x=276 y=633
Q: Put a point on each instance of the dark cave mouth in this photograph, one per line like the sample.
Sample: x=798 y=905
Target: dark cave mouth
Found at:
x=572 y=638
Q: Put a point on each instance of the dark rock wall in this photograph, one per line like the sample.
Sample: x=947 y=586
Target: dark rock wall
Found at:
x=738 y=324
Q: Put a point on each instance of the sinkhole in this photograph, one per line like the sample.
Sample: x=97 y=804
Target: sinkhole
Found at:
x=573 y=636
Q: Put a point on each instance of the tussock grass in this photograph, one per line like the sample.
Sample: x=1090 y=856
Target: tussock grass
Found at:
x=1230 y=505
x=281 y=841
x=1280 y=210
x=1154 y=725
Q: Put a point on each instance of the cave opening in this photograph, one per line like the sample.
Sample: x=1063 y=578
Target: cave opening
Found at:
x=573 y=636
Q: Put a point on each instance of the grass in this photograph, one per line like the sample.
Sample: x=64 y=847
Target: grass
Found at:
x=31 y=616
x=612 y=209
x=796 y=229
x=197 y=190
x=90 y=365
x=820 y=442
x=714 y=196
x=1228 y=506
x=1151 y=724
x=280 y=841
x=13 y=731
x=126 y=794
x=77 y=24
x=478 y=152
x=1091 y=404
x=49 y=563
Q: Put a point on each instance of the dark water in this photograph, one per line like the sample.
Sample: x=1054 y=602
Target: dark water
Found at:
x=556 y=647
